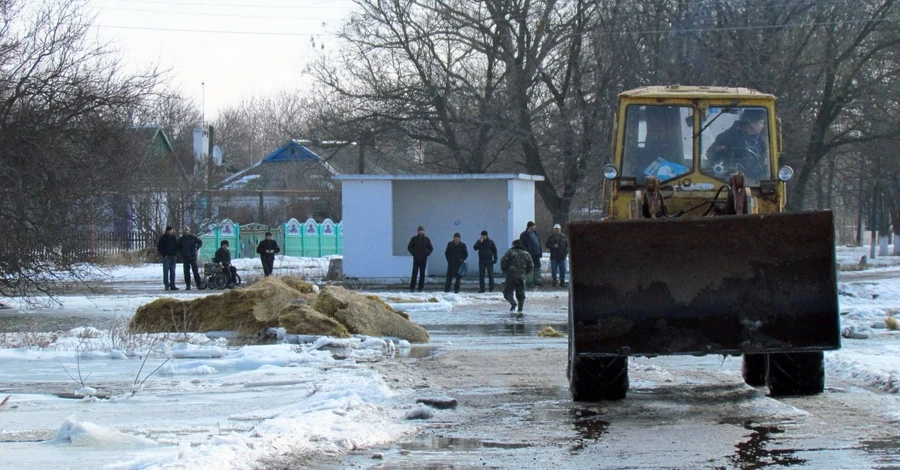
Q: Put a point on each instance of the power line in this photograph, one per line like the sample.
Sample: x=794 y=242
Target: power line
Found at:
x=236 y=5
x=211 y=31
x=191 y=13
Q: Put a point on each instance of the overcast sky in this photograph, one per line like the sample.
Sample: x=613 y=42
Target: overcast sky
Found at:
x=221 y=51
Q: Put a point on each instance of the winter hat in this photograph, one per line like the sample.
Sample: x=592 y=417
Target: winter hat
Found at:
x=484 y=232
x=556 y=226
x=168 y=227
x=530 y=224
x=457 y=235
x=420 y=229
x=517 y=243
x=268 y=234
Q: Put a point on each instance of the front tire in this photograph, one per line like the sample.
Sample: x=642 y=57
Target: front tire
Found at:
x=795 y=373
x=598 y=378
x=754 y=369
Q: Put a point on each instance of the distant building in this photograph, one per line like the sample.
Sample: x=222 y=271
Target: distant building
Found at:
x=382 y=212
x=298 y=180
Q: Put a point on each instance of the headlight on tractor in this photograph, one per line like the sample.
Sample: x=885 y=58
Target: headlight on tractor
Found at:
x=785 y=173
x=610 y=172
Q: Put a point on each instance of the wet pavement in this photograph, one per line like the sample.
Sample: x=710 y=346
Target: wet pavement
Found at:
x=516 y=412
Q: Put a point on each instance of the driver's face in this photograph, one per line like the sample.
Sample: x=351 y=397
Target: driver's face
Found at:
x=755 y=127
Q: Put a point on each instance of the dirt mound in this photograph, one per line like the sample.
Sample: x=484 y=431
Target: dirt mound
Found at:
x=279 y=301
x=367 y=315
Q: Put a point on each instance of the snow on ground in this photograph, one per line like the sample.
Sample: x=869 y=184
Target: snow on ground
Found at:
x=85 y=397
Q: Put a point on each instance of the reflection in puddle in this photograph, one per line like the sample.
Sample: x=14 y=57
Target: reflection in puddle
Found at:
x=589 y=426
x=753 y=454
x=436 y=443
x=511 y=328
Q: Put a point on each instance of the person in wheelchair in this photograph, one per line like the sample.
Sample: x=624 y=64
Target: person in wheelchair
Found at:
x=223 y=256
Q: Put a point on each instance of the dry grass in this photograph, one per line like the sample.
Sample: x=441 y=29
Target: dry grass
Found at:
x=278 y=301
x=31 y=338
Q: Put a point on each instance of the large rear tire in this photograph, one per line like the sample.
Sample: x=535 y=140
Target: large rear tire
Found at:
x=754 y=369
x=598 y=378
x=795 y=373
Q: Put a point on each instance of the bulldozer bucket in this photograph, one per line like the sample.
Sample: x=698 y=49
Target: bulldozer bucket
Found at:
x=711 y=285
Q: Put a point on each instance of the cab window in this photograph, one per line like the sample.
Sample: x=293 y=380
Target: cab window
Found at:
x=658 y=142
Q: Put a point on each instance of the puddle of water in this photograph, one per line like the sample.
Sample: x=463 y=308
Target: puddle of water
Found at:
x=588 y=425
x=418 y=351
x=754 y=454
x=886 y=451
x=439 y=443
x=512 y=328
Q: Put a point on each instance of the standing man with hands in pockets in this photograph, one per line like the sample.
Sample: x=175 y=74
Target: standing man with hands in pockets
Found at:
x=420 y=248
x=487 y=258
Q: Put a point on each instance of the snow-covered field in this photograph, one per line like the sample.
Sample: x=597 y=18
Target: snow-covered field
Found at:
x=92 y=396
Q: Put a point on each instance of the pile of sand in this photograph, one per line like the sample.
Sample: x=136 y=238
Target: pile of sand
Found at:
x=286 y=302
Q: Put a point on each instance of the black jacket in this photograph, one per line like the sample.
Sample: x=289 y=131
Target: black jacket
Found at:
x=487 y=250
x=558 y=245
x=456 y=253
x=188 y=246
x=420 y=247
x=167 y=245
x=531 y=244
x=223 y=255
x=266 y=245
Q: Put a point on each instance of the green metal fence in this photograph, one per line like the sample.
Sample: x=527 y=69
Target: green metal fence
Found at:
x=307 y=239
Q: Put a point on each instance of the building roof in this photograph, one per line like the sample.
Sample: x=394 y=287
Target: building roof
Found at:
x=304 y=165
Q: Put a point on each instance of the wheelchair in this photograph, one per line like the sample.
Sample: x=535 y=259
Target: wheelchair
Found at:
x=216 y=276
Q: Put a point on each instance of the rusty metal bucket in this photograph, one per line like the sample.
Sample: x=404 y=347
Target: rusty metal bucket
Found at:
x=722 y=285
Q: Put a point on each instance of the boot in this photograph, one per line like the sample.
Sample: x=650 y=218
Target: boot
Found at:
x=554 y=283
x=521 y=305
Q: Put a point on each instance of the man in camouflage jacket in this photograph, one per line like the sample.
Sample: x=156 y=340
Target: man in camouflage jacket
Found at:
x=516 y=264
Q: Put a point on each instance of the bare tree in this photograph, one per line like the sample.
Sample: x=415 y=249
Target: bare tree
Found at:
x=64 y=108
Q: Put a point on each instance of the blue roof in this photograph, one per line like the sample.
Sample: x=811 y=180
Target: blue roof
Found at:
x=292 y=152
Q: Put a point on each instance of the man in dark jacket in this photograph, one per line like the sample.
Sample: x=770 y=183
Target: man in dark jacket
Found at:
x=267 y=249
x=558 y=245
x=532 y=244
x=743 y=146
x=456 y=253
x=487 y=258
x=188 y=246
x=420 y=248
x=167 y=246
x=223 y=256
x=515 y=264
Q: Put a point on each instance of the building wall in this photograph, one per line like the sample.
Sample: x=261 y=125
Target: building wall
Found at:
x=380 y=216
x=368 y=232
x=521 y=196
x=447 y=207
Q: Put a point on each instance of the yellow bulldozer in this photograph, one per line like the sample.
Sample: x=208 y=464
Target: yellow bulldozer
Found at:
x=696 y=254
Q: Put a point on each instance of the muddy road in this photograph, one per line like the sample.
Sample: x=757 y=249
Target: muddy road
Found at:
x=515 y=411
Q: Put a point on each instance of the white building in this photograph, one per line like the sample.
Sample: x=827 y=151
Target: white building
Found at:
x=382 y=212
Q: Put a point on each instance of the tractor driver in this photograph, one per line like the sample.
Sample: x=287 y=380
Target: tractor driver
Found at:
x=742 y=147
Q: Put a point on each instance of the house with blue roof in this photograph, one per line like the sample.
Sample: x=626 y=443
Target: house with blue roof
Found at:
x=297 y=180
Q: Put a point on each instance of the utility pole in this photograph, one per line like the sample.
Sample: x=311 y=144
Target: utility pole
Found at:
x=203 y=104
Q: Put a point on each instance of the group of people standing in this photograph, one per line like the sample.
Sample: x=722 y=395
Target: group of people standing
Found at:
x=521 y=263
x=188 y=245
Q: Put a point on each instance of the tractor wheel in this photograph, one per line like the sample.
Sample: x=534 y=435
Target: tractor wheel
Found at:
x=754 y=369
x=795 y=373
x=598 y=378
